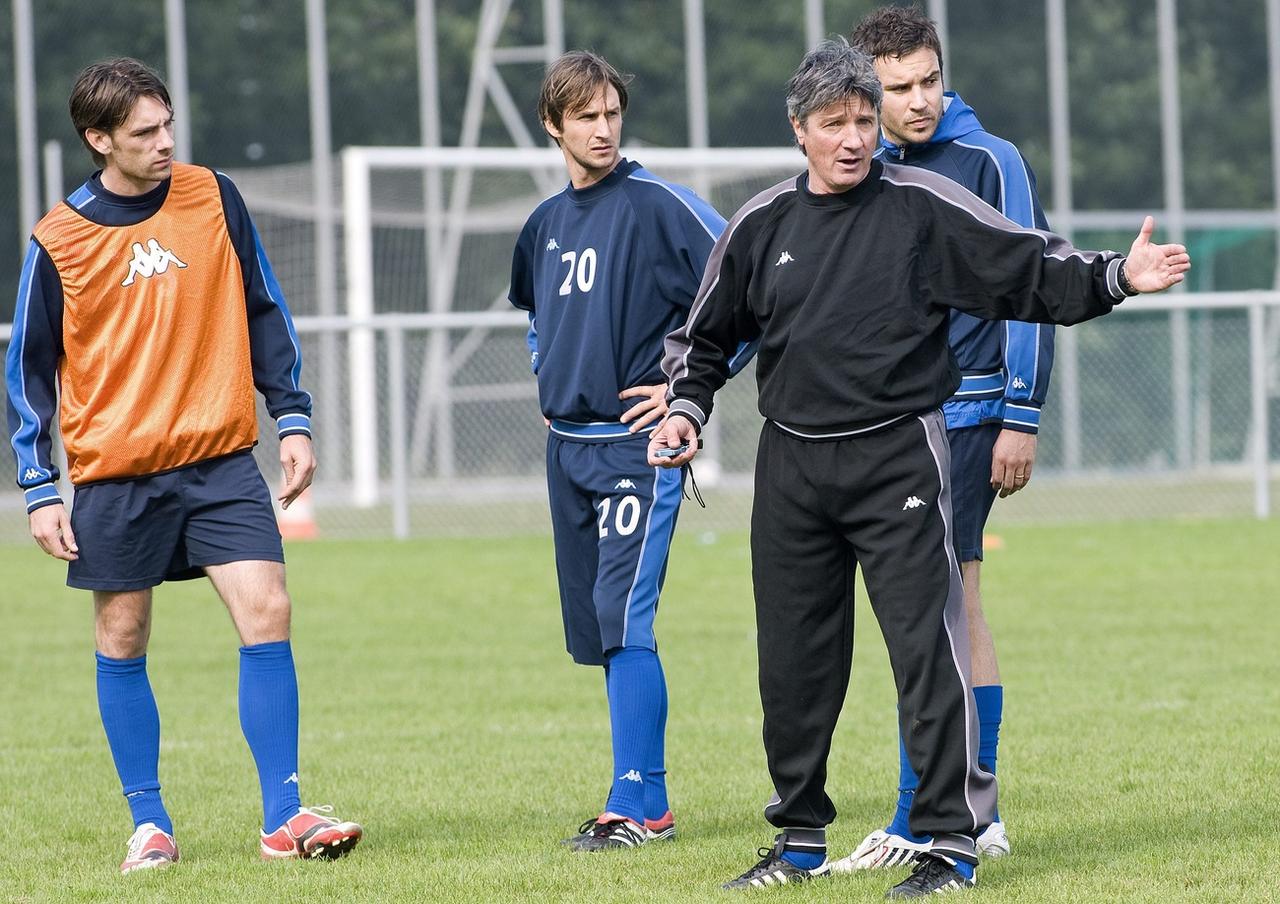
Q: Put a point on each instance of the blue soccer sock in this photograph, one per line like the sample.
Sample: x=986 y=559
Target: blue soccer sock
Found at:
x=634 y=681
x=269 y=720
x=908 y=781
x=965 y=868
x=656 y=804
x=805 y=848
x=990 y=700
x=132 y=723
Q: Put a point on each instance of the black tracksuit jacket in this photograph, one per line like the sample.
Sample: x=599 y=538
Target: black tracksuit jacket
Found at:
x=849 y=296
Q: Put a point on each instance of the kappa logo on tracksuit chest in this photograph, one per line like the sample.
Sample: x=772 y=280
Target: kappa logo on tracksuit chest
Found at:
x=149 y=261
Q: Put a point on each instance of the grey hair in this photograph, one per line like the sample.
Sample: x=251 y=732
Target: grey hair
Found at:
x=830 y=73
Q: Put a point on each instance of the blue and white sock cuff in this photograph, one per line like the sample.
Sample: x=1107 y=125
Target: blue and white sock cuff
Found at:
x=38 y=497
x=289 y=424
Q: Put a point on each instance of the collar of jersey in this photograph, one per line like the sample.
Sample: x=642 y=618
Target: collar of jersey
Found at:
x=610 y=182
x=844 y=198
x=144 y=200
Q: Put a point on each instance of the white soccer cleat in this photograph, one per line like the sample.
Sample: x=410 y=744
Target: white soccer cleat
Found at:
x=881 y=850
x=150 y=847
x=994 y=842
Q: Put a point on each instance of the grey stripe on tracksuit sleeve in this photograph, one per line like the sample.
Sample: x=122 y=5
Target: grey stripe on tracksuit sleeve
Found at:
x=697 y=354
x=954 y=194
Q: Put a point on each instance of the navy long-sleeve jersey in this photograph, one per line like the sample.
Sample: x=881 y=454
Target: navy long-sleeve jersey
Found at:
x=1005 y=364
x=606 y=272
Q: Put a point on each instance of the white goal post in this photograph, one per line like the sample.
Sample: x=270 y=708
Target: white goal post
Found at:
x=445 y=225
x=456 y=213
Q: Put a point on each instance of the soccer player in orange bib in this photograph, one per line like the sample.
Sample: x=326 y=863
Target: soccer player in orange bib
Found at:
x=147 y=304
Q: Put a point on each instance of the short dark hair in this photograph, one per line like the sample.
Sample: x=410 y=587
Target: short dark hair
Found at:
x=104 y=95
x=573 y=81
x=895 y=31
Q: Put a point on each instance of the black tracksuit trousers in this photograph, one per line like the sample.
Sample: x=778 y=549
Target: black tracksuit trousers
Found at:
x=880 y=499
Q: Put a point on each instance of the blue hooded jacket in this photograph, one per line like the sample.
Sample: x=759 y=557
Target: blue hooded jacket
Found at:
x=1005 y=364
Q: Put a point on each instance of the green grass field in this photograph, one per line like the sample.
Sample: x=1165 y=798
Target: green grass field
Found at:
x=1139 y=761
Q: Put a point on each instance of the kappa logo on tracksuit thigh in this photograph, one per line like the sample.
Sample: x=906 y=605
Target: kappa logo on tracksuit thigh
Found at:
x=913 y=502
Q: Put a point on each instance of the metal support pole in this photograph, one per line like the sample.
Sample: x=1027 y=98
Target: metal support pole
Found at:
x=1175 y=204
x=329 y=432
x=24 y=90
x=1273 y=82
x=361 y=353
x=435 y=404
x=815 y=25
x=553 y=28
x=695 y=44
x=53 y=185
x=1067 y=348
x=399 y=454
x=938 y=13
x=695 y=52
x=1258 y=412
x=175 y=47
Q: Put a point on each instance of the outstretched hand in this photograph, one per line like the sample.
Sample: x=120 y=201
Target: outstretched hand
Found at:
x=1153 y=268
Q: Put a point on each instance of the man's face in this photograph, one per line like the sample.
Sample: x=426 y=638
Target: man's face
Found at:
x=589 y=137
x=139 y=152
x=839 y=140
x=912 y=104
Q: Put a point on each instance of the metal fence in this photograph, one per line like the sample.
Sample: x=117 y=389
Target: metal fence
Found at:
x=483 y=474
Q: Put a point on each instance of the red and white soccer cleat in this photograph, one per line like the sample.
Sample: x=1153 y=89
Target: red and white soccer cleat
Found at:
x=662 y=829
x=309 y=833
x=150 y=847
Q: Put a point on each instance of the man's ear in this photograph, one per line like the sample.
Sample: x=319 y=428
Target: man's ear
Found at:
x=798 y=127
x=549 y=126
x=99 y=140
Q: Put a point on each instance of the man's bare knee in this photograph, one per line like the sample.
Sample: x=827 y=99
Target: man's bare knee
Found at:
x=256 y=598
x=122 y=623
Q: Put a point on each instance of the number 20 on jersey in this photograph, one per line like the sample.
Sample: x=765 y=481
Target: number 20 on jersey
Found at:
x=582 y=269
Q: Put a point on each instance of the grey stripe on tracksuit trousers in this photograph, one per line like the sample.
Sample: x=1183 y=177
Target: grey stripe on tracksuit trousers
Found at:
x=881 y=500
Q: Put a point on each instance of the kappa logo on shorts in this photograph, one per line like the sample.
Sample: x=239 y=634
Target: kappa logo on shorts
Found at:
x=913 y=502
x=149 y=261
x=631 y=776
x=784 y=258
x=625 y=483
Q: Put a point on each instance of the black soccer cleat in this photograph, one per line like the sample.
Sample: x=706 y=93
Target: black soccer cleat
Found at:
x=773 y=870
x=934 y=874
x=607 y=833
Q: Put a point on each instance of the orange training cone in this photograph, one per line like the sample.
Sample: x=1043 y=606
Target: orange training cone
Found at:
x=298 y=521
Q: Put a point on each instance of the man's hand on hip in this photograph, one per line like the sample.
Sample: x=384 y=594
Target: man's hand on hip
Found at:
x=653 y=406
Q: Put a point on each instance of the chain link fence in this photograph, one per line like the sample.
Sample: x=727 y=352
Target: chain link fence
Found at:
x=458 y=443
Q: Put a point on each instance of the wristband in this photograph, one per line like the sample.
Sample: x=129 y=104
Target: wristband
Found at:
x=1125 y=286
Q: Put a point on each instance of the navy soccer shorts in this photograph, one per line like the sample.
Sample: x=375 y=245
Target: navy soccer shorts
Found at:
x=612 y=516
x=136 y=533
x=971 y=490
